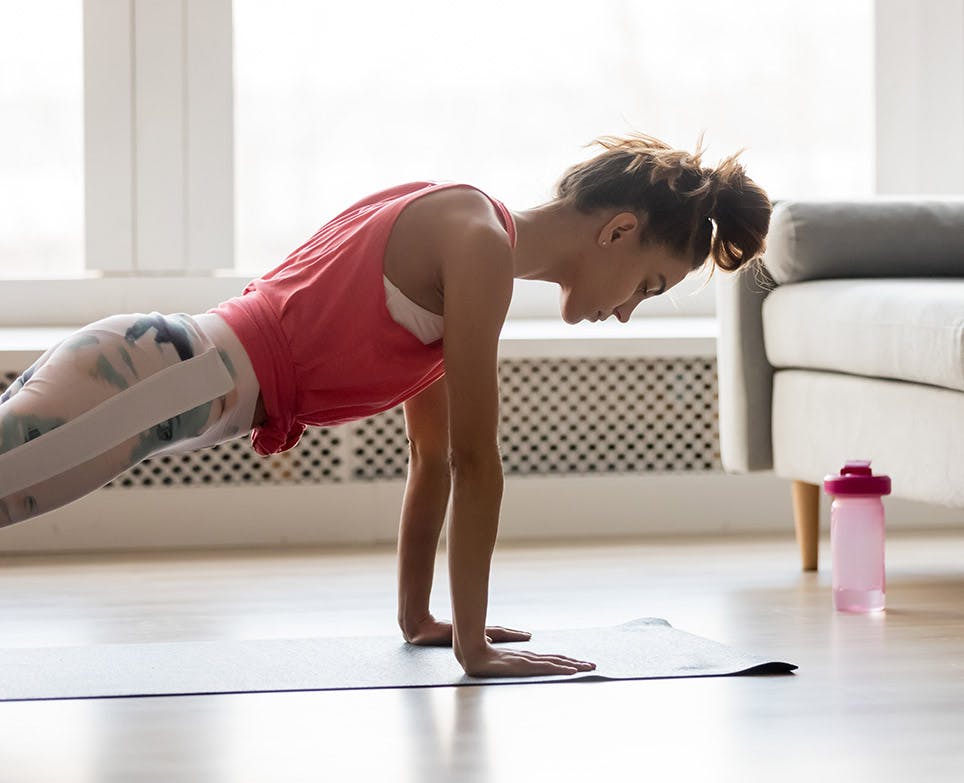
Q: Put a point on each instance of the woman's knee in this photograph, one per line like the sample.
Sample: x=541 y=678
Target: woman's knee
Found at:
x=183 y=428
x=17 y=428
x=17 y=508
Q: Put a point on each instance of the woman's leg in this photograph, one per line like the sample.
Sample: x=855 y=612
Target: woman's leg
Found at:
x=88 y=371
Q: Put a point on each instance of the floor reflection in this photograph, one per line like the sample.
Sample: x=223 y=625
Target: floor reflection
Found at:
x=448 y=736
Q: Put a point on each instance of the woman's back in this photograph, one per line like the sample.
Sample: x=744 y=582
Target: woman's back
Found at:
x=324 y=346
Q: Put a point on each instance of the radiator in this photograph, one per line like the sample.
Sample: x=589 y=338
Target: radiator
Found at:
x=558 y=416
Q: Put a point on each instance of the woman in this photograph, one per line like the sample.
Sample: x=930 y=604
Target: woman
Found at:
x=398 y=299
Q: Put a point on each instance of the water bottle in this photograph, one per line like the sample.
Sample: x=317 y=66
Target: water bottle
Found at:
x=857 y=537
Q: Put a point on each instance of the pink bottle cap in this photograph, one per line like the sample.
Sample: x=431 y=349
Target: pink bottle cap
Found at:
x=856 y=478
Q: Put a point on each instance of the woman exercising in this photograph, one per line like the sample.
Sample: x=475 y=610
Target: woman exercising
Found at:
x=398 y=299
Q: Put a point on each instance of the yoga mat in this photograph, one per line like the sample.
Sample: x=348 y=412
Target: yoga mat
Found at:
x=641 y=649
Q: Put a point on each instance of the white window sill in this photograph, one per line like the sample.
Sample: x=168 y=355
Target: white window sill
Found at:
x=642 y=336
x=521 y=338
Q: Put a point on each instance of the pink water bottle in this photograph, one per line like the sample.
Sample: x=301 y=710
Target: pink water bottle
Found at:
x=857 y=537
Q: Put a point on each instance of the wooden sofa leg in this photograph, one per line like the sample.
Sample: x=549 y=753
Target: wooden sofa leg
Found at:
x=806 y=519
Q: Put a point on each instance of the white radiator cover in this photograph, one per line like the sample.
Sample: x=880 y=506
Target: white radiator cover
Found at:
x=592 y=448
x=558 y=416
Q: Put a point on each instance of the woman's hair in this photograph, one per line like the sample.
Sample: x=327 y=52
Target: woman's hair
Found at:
x=682 y=199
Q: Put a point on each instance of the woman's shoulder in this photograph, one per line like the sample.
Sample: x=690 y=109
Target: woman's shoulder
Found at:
x=456 y=213
x=441 y=227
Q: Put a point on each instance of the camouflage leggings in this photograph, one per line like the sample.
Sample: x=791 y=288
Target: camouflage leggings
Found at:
x=88 y=373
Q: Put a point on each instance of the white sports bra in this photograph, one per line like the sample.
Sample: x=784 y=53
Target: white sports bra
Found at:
x=424 y=324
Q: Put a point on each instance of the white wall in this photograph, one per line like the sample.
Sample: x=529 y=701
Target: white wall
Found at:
x=534 y=508
x=919 y=56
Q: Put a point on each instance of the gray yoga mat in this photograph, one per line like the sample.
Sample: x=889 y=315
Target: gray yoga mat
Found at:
x=641 y=649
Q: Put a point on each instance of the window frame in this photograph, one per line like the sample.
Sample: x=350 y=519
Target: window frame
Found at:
x=158 y=137
x=159 y=143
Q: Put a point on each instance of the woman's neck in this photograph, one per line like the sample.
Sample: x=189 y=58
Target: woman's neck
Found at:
x=547 y=242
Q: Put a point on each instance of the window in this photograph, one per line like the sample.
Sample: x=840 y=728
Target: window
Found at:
x=333 y=101
x=41 y=139
x=336 y=100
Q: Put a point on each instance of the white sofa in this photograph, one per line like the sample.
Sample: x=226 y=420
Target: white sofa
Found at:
x=848 y=343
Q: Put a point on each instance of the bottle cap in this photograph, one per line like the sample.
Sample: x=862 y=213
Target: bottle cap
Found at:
x=856 y=478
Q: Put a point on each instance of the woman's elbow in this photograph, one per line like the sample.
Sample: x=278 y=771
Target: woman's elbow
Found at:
x=428 y=457
x=475 y=461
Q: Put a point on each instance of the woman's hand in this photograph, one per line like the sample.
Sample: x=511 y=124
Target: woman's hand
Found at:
x=491 y=662
x=438 y=633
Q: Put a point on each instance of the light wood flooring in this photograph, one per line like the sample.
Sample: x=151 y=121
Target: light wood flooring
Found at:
x=876 y=698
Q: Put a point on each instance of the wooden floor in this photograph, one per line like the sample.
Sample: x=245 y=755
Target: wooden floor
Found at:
x=876 y=697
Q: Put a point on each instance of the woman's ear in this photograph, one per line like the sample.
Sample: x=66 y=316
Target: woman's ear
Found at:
x=619 y=227
x=642 y=222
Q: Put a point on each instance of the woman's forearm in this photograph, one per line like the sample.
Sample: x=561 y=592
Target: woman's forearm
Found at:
x=423 y=514
x=476 y=500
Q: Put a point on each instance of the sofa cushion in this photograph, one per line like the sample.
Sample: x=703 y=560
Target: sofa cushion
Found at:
x=912 y=432
x=906 y=329
x=873 y=238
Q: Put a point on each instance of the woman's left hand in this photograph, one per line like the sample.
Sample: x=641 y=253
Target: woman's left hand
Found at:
x=438 y=633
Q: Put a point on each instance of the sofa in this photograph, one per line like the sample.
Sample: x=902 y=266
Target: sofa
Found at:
x=847 y=342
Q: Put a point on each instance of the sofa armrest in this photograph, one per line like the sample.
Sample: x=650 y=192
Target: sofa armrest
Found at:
x=881 y=237
x=745 y=377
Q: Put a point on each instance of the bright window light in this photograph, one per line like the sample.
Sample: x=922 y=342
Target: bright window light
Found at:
x=41 y=139
x=337 y=100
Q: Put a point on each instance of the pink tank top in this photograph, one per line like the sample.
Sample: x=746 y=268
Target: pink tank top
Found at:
x=323 y=345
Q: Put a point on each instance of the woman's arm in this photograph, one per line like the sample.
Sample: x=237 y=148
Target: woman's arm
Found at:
x=477 y=280
x=423 y=514
x=423 y=509
x=477 y=276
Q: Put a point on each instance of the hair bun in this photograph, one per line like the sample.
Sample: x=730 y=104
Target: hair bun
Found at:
x=741 y=211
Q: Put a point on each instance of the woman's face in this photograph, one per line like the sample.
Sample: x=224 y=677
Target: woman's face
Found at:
x=616 y=272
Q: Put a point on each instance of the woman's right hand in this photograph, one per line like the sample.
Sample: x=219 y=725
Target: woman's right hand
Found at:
x=494 y=662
